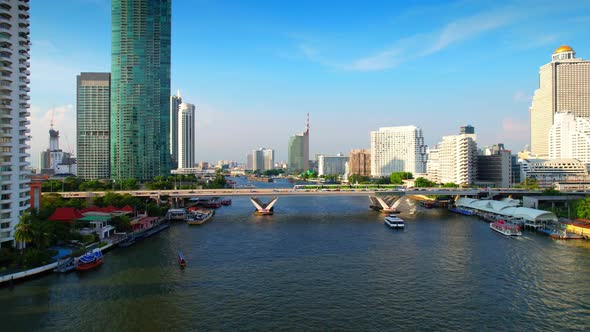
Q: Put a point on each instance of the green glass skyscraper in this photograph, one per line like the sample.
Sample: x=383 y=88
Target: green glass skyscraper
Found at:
x=140 y=88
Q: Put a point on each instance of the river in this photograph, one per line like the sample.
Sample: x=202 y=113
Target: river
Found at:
x=319 y=263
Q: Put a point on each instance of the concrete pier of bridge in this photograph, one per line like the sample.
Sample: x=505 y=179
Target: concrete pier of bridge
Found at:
x=385 y=204
x=263 y=208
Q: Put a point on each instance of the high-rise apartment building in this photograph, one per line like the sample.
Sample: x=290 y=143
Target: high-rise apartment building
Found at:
x=186 y=136
x=93 y=123
x=299 y=151
x=14 y=123
x=175 y=102
x=359 y=162
x=494 y=167
x=397 y=149
x=569 y=137
x=332 y=165
x=564 y=86
x=457 y=159
x=433 y=164
x=263 y=159
x=140 y=89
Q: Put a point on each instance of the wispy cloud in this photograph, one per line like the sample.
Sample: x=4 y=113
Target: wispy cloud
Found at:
x=422 y=44
x=520 y=96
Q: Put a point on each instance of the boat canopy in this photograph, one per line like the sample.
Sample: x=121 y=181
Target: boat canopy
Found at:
x=506 y=209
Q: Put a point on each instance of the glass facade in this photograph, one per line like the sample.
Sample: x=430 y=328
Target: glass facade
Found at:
x=140 y=89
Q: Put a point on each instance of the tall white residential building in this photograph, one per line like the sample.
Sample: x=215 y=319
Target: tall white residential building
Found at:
x=564 y=85
x=329 y=165
x=175 y=102
x=397 y=149
x=458 y=159
x=569 y=137
x=433 y=165
x=263 y=159
x=14 y=122
x=186 y=136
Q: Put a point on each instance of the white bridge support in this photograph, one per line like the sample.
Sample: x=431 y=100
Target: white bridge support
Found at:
x=387 y=204
x=261 y=207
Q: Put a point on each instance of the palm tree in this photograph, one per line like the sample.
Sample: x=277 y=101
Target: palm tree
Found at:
x=23 y=231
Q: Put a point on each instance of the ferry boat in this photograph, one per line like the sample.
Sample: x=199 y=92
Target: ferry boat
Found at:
x=199 y=218
x=393 y=221
x=181 y=260
x=505 y=228
x=90 y=260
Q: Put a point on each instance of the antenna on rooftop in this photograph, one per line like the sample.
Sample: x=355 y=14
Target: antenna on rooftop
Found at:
x=307 y=124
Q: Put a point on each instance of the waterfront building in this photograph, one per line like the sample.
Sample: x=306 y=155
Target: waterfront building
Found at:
x=263 y=159
x=433 y=165
x=140 y=89
x=249 y=161
x=494 y=167
x=397 y=149
x=548 y=173
x=175 y=102
x=569 y=137
x=458 y=159
x=299 y=151
x=93 y=125
x=14 y=125
x=360 y=162
x=186 y=136
x=564 y=85
x=515 y=174
x=330 y=165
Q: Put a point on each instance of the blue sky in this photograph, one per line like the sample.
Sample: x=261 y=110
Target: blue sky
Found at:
x=255 y=68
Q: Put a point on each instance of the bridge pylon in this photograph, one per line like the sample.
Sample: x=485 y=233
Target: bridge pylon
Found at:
x=387 y=204
x=263 y=208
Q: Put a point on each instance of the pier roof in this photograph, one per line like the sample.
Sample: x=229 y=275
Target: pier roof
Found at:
x=506 y=209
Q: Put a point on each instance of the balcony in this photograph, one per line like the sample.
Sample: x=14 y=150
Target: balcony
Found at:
x=24 y=97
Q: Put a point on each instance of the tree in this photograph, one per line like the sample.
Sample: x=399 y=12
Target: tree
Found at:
x=422 y=182
x=356 y=178
x=582 y=208
x=529 y=183
x=450 y=185
x=398 y=177
x=551 y=192
x=23 y=231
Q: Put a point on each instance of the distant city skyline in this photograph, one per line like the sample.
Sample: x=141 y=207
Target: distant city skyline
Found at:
x=436 y=66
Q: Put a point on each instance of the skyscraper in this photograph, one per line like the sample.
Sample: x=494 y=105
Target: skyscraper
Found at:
x=186 y=136
x=93 y=110
x=564 y=85
x=457 y=158
x=360 y=162
x=14 y=125
x=569 y=137
x=397 y=149
x=299 y=150
x=175 y=102
x=263 y=159
x=140 y=91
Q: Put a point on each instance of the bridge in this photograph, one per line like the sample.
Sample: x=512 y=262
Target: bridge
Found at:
x=387 y=200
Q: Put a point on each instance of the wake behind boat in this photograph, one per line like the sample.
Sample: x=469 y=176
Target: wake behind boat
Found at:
x=395 y=222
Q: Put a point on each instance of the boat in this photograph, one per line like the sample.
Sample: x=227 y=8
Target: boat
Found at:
x=156 y=228
x=461 y=211
x=181 y=260
x=393 y=221
x=129 y=241
x=90 y=260
x=505 y=228
x=199 y=218
x=226 y=202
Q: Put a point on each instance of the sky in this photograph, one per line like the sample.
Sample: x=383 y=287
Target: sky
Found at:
x=255 y=68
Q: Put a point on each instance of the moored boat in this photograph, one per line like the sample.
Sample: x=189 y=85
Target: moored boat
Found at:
x=393 y=221
x=505 y=228
x=199 y=218
x=226 y=202
x=90 y=260
x=181 y=259
x=462 y=211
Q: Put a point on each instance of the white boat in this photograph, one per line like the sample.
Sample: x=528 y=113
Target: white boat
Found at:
x=393 y=221
x=505 y=228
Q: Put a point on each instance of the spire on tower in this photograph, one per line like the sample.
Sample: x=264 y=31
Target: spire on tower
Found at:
x=178 y=94
x=307 y=124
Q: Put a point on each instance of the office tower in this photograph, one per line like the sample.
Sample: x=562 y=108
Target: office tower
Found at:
x=175 y=102
x=299 y=151
x=249 y=161
x=433 y=164
x=564 y=86
x=14 y=125
x=467 y=129
x=359 y=162
x=569 y=137
x=55 y=160
x=397 y=149
x=330 y=165
x=458 y=159
x=186 y=136
x=140 y=89
x=494 y=167
x=93 y=110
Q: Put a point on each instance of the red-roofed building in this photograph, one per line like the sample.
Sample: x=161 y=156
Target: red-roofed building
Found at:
x=126 y=208
x=65 y=214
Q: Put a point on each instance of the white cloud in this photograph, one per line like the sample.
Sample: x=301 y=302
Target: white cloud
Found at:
x=521 y=96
